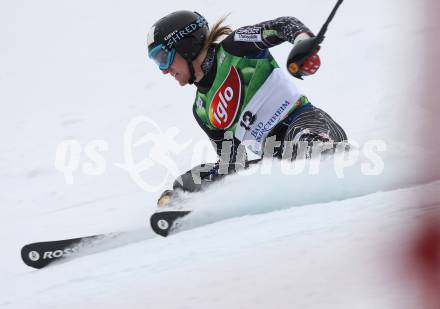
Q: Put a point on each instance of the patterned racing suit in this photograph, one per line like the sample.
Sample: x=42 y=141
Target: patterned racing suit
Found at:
x=246 y=99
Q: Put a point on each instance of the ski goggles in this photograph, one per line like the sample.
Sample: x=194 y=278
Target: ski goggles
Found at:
x=162 y=56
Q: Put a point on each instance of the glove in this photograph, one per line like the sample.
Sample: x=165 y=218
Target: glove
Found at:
x=303 y=58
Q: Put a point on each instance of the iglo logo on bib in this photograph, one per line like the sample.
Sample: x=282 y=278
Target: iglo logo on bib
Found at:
x=226 y=101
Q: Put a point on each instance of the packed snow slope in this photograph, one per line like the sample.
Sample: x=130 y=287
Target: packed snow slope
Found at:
x=78 y=72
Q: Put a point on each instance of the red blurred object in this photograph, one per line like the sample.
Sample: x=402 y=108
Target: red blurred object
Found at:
x=311 y=65
x=425 y=262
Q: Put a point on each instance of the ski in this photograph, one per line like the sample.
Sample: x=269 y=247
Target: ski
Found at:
x=165 y=222
x=41 y=254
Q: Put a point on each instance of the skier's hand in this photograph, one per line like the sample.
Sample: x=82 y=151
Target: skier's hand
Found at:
x=303 y=59
x=312 y=63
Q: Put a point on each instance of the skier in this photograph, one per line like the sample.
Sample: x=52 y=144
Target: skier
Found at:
x=243 y=98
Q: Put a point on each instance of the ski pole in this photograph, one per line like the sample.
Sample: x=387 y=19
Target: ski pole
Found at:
x=305 y=48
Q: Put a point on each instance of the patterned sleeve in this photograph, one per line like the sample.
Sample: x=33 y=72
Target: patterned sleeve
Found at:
x=252 y=39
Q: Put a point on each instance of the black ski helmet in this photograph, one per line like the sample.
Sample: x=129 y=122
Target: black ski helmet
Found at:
x=184 y=31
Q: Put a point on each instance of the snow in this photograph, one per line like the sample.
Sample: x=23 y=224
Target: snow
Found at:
x=78 y=71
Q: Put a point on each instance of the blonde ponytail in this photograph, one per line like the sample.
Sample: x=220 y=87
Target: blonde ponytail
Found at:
x=218 y=30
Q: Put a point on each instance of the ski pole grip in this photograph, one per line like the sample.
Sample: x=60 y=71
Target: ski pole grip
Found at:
x=299 y=54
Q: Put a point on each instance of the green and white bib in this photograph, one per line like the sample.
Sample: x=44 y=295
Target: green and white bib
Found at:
x=248 y=97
